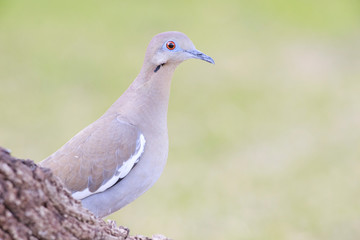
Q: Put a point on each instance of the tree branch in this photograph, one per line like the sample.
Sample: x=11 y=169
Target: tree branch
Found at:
x=35 y=205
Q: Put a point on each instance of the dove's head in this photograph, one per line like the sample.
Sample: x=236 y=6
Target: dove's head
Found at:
x=172 y=48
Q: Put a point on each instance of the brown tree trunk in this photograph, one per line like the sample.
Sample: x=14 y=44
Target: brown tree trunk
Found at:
x=34 y=205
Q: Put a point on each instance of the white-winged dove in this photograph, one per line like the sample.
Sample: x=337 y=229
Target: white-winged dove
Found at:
x=118 y=157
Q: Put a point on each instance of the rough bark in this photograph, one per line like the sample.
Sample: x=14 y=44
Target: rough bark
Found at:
x=34 y=205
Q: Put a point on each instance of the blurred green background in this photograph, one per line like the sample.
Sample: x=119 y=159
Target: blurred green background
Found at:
x=263 y=145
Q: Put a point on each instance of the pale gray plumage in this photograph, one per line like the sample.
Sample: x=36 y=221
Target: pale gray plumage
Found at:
x=118 y=157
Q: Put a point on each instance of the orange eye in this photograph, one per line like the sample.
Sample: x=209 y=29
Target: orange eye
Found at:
x=170 y=45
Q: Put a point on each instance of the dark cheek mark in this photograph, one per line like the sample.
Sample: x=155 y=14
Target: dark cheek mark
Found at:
x=158 y=67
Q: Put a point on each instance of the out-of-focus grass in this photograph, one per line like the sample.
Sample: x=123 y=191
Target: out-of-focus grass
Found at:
x=263 y=145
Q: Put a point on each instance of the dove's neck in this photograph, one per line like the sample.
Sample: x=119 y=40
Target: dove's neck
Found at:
x=146 y=100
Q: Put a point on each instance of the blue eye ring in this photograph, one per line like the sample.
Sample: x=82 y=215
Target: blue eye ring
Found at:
x=170 y=45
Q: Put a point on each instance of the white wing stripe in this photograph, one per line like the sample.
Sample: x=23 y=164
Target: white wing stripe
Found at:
x=120 y=172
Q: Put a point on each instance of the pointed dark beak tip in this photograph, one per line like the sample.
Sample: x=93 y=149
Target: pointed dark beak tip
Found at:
x=210 y=60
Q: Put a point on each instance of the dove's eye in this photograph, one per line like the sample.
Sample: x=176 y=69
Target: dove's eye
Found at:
x=170 y=45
